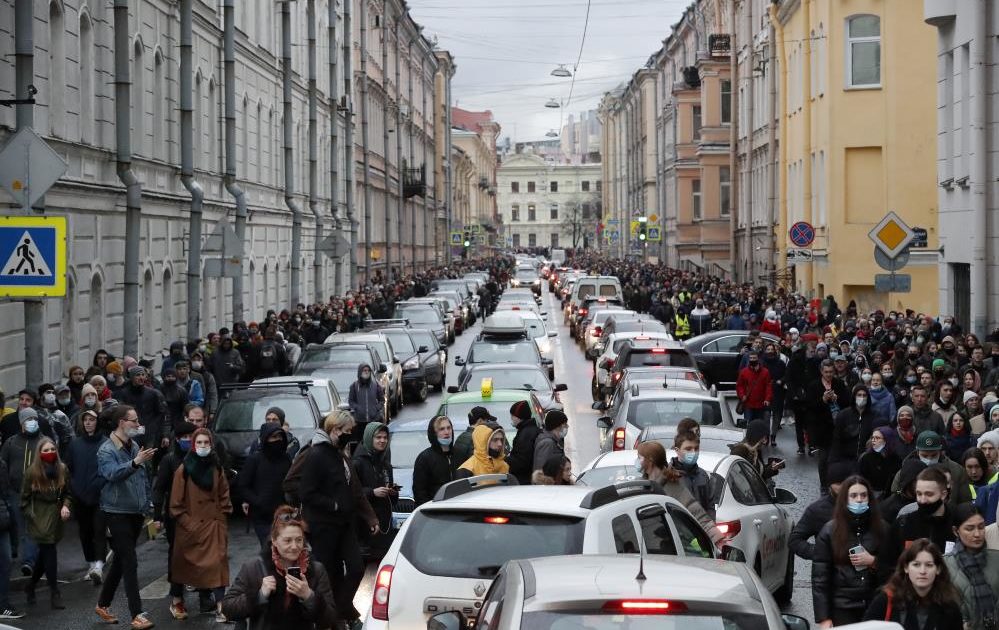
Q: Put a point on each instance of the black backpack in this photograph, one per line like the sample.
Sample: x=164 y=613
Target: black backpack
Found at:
x=268 y=356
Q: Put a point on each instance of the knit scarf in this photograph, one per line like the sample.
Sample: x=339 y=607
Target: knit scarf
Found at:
x=201 y=470
x=303 y=563
x=972 y=563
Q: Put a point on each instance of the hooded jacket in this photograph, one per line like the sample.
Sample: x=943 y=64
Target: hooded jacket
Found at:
x=374 y=470
x=260 y=481
x=226 y=363
x=433 y=468
x=883 y=405
x=521 y=458
x=547 y=446
x=480 y=463
x=81 y=458
x=330 y=490
x=961 y=492
x=152 y=409
x=366 y=399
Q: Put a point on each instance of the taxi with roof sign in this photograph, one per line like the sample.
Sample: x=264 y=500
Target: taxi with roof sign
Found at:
x=497 y=401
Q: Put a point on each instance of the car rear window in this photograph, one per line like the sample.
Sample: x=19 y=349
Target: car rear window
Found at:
x=318 y=357
x=607 y=290
x=401 y=342
x=462 y=544
x=417 y=314
x=645 y=413
x=520 y=352
x=586 y=290
x=248 y=414
x=666 y=357
x=406 y=446
x=599 y=620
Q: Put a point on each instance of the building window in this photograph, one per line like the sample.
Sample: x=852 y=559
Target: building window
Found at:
x=724 y=190
x=726 y=102
x=515 y=187
x=530 y=187
x=599 y=185
x=586 y=211
x=532 y=240
x=531 y=212
x=697 y=122
x=554 y=239
x=863 y=51
x=553 y=187
x=695 y=189
x=516 y=240
x=87 y=109
x=554 y=212
x=586 y=186
x=515 y=212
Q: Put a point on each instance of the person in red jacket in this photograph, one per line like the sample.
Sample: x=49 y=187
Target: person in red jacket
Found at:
x=771 y=324
x=754 y=389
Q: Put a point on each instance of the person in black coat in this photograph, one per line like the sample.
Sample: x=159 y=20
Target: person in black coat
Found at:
x=919 y=595
x=818 y=513
x=849 y=562
x=374 y=470
x=260 y=481
x=880 y=462
x=436 y=465
x=852 y=427
x=824 y=397
x=85 y=485
x=521 y=458
x=906 y=492
x=929 y=517
x=775 y=365
x=150 y=406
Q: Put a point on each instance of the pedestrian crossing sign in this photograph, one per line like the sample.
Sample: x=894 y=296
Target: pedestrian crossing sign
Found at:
x=33 y=253
x=655 y=235
x=456 y=239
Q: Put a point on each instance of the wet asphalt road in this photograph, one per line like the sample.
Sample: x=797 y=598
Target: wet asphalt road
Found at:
x=571 y=368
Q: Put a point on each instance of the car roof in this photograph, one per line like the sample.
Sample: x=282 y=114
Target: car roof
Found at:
x=316 y=380
x=706 y=460
x=558 y=500
x=502 y=395
x=479 y=367
x=663 y=431
x=408 y=426
x=584 y=578
x=659 y=393
x=647 y=344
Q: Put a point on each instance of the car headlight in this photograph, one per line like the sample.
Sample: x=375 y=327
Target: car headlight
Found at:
x=413 y=363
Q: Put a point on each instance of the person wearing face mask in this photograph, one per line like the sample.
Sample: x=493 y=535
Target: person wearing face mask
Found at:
x=944 y=401
x=687 y=447
x=332 y=499
x=849 y=563
x=210 y=388
x=552 y=440
x=754 y=388
x=85 y=486
x=974 y=412
x=151 y=406
x=200 y=505
x=930 y=451
x=521 y=458
x=488 y=453
x=974 y=569
x=49 y=410
x=880 y=462
x=175 y=397
x=75 y=381
x=65 y=403
x=929 y=517
x=852 y=427
x=18 y=453
x=367 y=400
x=176 y=353
x=958 y=438
x=260 y=481
x=314 y=331
x=124 y=501
x=226 y=364
x=45 y=502
x=372 y=461
x=882 y=402
x=948 y=352
x=435 y=465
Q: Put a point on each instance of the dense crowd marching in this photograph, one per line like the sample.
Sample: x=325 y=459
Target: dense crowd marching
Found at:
x=898 y=409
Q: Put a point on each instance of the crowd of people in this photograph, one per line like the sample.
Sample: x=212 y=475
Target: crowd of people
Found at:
x=897 y=409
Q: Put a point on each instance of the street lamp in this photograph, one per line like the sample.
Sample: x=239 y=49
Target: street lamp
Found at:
x=553 y=104
x=561 y=72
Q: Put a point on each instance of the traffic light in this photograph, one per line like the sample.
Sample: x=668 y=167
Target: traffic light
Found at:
x=466 y=242
x=643 y=234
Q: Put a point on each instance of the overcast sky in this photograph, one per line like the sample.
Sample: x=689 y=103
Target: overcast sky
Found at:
x=506 y=49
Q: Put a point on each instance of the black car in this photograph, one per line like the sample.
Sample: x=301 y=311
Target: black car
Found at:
x=425 y=315
x=650 y=353
x=719 y=352
x=338 y=361
x=434 y=359
x=417 y=372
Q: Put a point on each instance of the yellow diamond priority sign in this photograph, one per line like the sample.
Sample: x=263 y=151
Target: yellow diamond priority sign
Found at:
x=891 y=235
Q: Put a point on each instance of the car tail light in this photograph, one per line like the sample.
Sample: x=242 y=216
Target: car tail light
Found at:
x=497 y=520
x=642 y=338
x=608 y=363
x=690 y=376
x=617 y=376
x=659 y=351
x=598 y=331
x=583 y=312
x=619 y=439
x=730 y=529
x=380 y=596
x=644 y=606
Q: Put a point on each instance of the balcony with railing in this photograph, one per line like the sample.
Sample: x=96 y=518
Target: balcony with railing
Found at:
x=414 y=182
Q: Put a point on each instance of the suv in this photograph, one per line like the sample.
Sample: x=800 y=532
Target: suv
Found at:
x=609 y=591
x=648 y=352
x=602 y=384
x=338 y=361
x=448 y=551
x=421 y=368
x=590 y=327
x=460 y=310
x=425 y=315
x=593 y=286
x=387 y=357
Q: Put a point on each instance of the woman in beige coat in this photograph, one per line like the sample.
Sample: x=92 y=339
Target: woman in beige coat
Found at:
x=199 y=503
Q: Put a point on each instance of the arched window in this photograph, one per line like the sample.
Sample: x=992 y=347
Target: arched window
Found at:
x=267 y=292
x=213 y=123
x=258 y=149
x=57 y=72
x=251 y=305
x=138 y=101
x=268 y=149
x=244 y=140
x=198 y=106
x=168 y=305
x=87 y=104
x=160 y=107
x=96 y=323
x=147 y=326
x=863 y=51
x=207 y=286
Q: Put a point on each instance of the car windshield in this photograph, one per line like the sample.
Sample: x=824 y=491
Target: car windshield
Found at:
x=645 y=413
x=247 y=414
x=424 y=338
x=519 y=352
x=452 y=301
x=316 y=358
x=533 y=380
x=405 y=446
x=612 y=621
x=528 y=276
x=535 y=328
x=608 y=475
x=501 y=410
x=660 y=356
x=464 y=545
x=421 y=314
x=342 y=378
x=401 y=342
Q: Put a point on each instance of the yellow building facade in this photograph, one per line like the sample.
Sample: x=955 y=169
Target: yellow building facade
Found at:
x=857 y=102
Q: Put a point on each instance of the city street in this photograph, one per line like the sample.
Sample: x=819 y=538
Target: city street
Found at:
x=581 y=446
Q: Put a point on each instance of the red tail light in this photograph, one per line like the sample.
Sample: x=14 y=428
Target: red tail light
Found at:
x=380 y=596
x=659 y=351
x=644 y=607
x=598 y=331
x=617 y=376
x=609 y=363
x=619 y=439
x=690 y=376
x=497 y=520
x=583 y=312
x=730 y=529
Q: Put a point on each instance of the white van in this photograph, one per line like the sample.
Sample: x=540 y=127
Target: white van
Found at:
x=593 y=286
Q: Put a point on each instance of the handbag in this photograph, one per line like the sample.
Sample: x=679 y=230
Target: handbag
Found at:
x=740 y=407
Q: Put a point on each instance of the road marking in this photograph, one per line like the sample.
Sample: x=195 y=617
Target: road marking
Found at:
x=157 y=589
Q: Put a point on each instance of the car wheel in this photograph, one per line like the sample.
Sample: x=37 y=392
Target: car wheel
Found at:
x=421 y=393
x=786 y=590
x=594 y=389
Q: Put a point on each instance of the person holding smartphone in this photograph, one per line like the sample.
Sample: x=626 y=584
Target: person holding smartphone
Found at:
x=847 y=567
x=374 y=470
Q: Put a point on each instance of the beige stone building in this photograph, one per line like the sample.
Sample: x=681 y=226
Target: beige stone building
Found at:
x=473 y=139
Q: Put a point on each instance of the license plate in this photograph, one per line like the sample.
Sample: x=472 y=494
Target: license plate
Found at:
x=398 y=520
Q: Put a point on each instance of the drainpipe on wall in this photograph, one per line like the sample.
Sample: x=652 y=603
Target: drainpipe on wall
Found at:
x=806 y=122
x=133 y=188
x=318 y=285
x=350 y=163
x=733 y=157
x=386 y=194
x=782 y=119
x=289 y=160
x=364 y=141
x=449 y=172
x=398 y=149
x=229 y=76
x=750 y=130
x=772 y=165
x=334 y=106
x=980 y=70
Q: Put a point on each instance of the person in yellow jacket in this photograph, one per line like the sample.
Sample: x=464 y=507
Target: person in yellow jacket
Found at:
x=489 y=454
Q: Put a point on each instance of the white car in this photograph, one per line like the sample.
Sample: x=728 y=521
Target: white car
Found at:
x=592 y=334
x=601 y=374
x=752 y=517
x=324 y=391
x=537 y=331
x=448 y=551
x=386 y=354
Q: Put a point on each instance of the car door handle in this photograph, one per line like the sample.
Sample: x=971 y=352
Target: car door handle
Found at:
x=757 y=522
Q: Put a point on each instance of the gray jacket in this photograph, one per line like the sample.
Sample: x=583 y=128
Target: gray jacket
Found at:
x=126 y=490
x=972 y=616
x=545 y=447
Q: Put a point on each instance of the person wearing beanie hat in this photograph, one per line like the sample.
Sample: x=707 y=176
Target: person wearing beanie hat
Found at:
x=262 y=477
x=552 y=439
x=84 y=485
x=521 y=458
x=929 y=449
x=988 y=442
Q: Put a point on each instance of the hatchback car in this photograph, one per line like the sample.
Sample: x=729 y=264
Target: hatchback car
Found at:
x=324 y=391
x=420 y=367
x=602 y=385
x=713 y=439
x=448 y=551
x=591 y=327
x=751 y=516
x=386 y=356
x=718 y=354
x=425 y=315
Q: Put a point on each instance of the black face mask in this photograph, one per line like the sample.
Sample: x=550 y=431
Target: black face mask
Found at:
x=494 y=452
x=274 y=448
x=927 y=509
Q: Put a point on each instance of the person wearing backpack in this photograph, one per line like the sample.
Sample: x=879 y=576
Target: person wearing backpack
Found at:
x=262 y=478
x=268 y=358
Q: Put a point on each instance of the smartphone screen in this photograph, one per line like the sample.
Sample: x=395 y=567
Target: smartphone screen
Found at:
x=295 y=572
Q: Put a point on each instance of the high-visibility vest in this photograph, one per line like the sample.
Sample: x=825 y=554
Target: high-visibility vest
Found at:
x=682 y=326
x=974 y=490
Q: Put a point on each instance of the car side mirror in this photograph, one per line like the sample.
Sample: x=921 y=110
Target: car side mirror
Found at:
x=604 y=422
x=459 y=361
x=794 y=622
x=452 y=389
x=451 y=620
x=732 y=554
x=561 y=387
x=600 y=405
x=783 y=496
x=382 y=368
x=553 y=334
x=423 y=349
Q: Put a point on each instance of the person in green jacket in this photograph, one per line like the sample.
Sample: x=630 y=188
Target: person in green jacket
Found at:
x=45 y=501
x=974 y=569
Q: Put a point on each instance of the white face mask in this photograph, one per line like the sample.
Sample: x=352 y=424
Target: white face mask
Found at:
x=861 y=401
x=203 y=451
